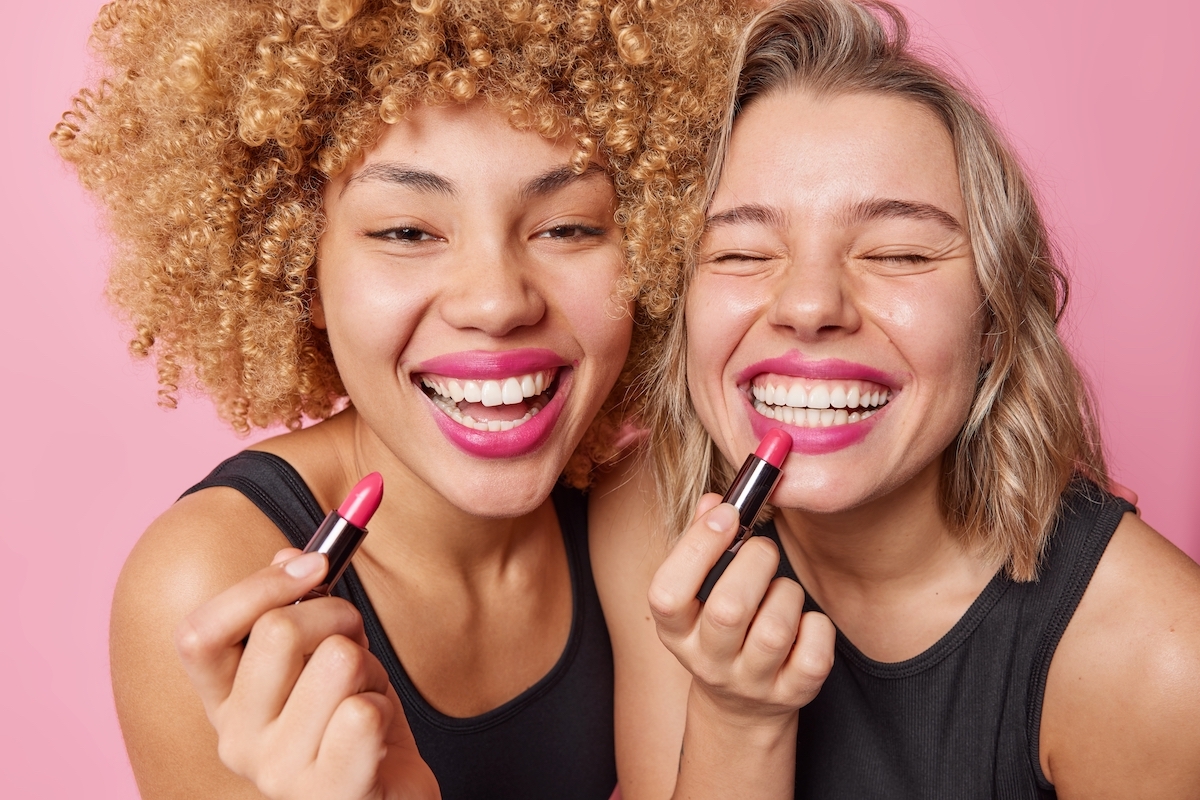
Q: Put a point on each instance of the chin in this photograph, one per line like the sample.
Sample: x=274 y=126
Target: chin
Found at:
x=500 y=490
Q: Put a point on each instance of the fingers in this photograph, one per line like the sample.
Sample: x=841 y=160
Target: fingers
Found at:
x=672 y=593
x=354 y=742
x=281 y=644
x=811 y=658
x=775 y=629
x=338 y=670
x=737 y=598
x=286 y=554
x=209 y=639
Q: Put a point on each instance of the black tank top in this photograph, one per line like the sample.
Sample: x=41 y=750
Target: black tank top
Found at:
x=960 y=720
x=554 y=740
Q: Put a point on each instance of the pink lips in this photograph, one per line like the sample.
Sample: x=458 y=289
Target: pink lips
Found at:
x=482 y=365
x=489 y=365
x=826 y=369
x=816 y=441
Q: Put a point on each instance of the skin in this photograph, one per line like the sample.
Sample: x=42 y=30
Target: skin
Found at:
x=897 y=292
x=405 y=273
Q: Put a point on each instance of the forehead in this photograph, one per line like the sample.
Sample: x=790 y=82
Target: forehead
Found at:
x=793 y=149
x=471 y=143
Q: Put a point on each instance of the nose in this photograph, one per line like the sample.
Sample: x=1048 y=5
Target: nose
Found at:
x=492 y=291
x=815 y=299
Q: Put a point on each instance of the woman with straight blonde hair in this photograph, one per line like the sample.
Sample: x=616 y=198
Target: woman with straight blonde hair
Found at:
x=978 y=617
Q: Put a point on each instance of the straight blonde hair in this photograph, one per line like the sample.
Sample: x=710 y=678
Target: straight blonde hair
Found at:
x=1031 y=427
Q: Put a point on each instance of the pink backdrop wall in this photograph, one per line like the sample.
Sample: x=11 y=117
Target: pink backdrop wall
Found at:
x=1102 y=98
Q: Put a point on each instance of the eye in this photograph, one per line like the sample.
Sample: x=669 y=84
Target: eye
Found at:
x=571 y=232
x=403 y=234
x=900 y=258
x=724 y=257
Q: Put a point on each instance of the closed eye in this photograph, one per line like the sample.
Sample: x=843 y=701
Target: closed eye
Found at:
x=900 y=258
x=738 y=257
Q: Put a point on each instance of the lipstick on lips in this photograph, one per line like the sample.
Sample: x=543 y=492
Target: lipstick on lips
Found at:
x=343 y=530
x=534 y=380
x=749 y=491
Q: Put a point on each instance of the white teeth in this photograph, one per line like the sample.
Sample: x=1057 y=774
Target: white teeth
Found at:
x=490 y=394
x=823 y=396
x=796 y=397
x=510 y=392
x=811 y=417
x=448 y=392
x=504 y=391
x=451 y=410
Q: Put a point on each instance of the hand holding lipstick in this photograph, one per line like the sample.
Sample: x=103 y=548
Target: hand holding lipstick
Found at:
x=302 y=708
x=748 y=647
x=755 y=658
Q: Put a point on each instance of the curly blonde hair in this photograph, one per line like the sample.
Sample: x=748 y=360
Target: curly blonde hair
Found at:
x=1031 y=428
x=218 y=122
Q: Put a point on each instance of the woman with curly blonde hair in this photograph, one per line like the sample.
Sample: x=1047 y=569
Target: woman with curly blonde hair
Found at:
x=434 y=227
x=876 y=281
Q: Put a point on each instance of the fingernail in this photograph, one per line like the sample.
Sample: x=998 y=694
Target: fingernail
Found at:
x=722 y=518
x=305 y=565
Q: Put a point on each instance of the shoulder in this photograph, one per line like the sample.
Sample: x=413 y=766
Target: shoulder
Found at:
x=628 y=543
x=200 y=546
x=626 y=536
x=1127 y=671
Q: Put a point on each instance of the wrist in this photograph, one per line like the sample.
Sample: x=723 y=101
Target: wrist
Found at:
x=744 y=724
x=736 y=754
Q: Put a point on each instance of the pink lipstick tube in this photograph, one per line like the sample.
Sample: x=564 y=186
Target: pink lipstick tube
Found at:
x=748 y=493
x=343 y=530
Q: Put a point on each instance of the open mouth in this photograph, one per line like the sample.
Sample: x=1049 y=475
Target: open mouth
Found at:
x=492 y=405
x=808 y=403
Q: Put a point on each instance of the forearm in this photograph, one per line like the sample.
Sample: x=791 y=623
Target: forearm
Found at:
x=727 y=756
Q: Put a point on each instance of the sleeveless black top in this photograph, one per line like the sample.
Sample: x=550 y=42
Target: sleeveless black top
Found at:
x=960 y=720
x=554 y=740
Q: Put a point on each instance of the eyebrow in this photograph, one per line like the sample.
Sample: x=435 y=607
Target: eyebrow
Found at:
x=404 y=175
x=555 y=179
x=887 y=209
x=746 y=215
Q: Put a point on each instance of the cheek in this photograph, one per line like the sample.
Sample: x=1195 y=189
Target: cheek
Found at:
x=370 y=314
x=600 y=322
x=937 y=326
x=720 y=311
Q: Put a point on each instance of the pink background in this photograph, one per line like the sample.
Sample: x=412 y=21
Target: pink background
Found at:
x=1101 y=98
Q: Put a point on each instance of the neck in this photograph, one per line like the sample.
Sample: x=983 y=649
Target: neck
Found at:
x=426 y=534
x=895 y=544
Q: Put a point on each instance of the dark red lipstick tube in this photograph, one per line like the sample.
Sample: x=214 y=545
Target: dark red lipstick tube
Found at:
x=343 y=530
x=748 y=493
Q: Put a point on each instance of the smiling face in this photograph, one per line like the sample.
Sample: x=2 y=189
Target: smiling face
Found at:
x=466 y=279
x=836 y=295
